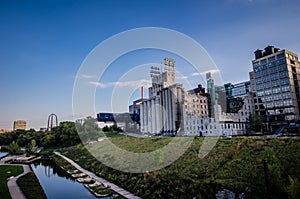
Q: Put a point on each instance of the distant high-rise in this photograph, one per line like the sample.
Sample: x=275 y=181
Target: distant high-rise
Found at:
x=275 y=84
x=19 y=125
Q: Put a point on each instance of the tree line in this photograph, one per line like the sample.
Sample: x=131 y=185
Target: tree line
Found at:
x=64 y=135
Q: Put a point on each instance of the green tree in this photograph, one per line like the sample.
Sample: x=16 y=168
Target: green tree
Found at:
x=90 y=131
x=22 y=140
x=13 y=148
x=66 y=134
x=48 y=140
x=256 y=122
x=31 y=148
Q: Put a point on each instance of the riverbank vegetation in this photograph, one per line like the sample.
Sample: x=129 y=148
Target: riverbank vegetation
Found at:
x=61 y=136
x=236 y=164
x=65 y=135
x=30 y=186
x=7 y=171
x=65 y=165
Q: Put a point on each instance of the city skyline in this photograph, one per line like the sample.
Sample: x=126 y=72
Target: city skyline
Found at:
x=44 y=44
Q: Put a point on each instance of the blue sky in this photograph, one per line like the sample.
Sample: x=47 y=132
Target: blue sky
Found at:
x=43 y=44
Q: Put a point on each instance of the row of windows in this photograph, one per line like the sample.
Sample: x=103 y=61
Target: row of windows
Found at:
x=201 y=121
x=280 y=103
x=276 y=97
x=269 y=65
x=281 y=82
x=202 y=112
x=197 y=100
x=239 y=90
x=276 y=90
x=272 y=84
x=285 y=110
x=270 y=59
x=269 y=72
x=272 y=77
x=273 y=91
x=285 y=88
x=196 y=106
x=288 y=103
x=223 y=126
x=289 y=110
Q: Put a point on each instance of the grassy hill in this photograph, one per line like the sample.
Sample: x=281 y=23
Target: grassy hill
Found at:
x=235 y=164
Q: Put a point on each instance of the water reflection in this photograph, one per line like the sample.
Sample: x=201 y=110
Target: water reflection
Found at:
x=57 y=183
x=50 y=169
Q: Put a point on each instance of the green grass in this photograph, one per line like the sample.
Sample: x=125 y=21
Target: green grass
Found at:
x=30 y=186
x=4 y=174
x=112 y=134
x=48 y=151
x=140 y=145
x=235 y=164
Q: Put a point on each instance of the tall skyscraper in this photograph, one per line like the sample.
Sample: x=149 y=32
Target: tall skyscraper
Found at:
x=275 y=84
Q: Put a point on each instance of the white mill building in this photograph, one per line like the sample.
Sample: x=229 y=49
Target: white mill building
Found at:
x=170 y=110
x=162 y=112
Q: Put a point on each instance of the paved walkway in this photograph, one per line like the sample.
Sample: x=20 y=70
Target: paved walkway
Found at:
x=9 y=157
x=112 y=186
x=14 y=190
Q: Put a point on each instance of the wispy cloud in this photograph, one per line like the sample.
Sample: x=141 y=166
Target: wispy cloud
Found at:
x=182 y=77
x=121 y=84
x=84 y=76
x=194 y=74
x=99 y=84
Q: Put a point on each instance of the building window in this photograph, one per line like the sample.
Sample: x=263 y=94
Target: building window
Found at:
x=283 y=74
x=263 y=61
x=280 y=56
x=256 y=63
x=285 y=88
x=281 y=61
x=282 y=68
x=270 y=59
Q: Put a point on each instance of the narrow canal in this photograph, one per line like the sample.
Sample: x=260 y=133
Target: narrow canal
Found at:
x=57 y=184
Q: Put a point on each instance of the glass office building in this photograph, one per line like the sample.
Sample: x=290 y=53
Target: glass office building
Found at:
x=275 y=84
